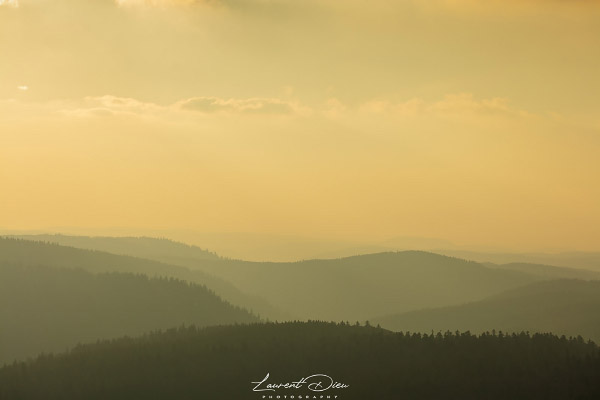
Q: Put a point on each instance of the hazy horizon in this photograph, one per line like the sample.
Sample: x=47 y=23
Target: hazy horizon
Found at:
x=272 y=247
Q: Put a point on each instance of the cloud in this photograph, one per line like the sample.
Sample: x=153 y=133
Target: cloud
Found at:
x=105 y=106
x=408 y=108
x=9 y=3
x=450 y=106
x=466 y=103
x=158 y=3
x=89 y=112
x=124 y=104
x=211 y=105
x=333 y=108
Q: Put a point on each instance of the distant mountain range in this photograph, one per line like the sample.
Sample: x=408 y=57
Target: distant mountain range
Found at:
x=583 y=260
x=409 y=290
x=548 y=271
x=356 y=288
x=352 y=288
x=563 y=307
x=158 y=249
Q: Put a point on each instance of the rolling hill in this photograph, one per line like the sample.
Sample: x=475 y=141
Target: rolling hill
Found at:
x=352 y=288
x=563 y=307
x=34 y=253
x=46 y=309
x=575 y=259
x=158 y=249
x=548 y=271
x=356 y=288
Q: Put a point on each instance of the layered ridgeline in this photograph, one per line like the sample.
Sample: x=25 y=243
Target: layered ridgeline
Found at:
x=548 y=271
x=583 y=260
x=365 y=362
x=563 y=307
x=158 y=249
x=357 y=288
x=353 y=288
x=46 y=309
x=34 y=253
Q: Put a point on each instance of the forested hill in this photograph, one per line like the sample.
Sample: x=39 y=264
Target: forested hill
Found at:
x=48 y=309
x=223 y=362
x=570 y=307
x=159 y=249
x=29 y=253
x=26 y=252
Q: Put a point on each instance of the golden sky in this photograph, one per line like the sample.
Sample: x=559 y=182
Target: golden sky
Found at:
x=472 y=121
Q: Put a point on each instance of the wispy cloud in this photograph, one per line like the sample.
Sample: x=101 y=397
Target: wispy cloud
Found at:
x=158 y=3
x=9 y=3
x=107 y=106
x=246 y=106
x=459 y=105
x=103 y=106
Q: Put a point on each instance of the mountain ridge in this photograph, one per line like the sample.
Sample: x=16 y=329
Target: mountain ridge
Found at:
x=565 y=306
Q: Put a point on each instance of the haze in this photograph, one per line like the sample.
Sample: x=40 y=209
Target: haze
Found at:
x=472 y=122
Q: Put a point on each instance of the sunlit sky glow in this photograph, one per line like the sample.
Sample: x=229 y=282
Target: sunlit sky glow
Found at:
x=473 y=121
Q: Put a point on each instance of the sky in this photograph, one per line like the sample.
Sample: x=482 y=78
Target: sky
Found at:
x=476 y=122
